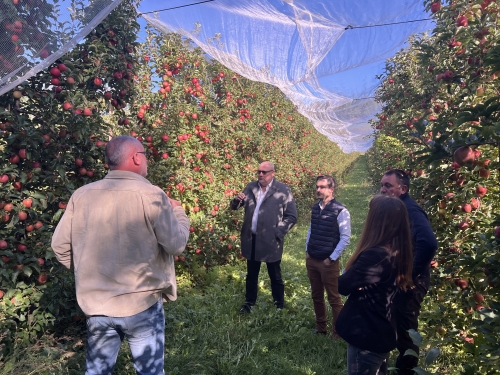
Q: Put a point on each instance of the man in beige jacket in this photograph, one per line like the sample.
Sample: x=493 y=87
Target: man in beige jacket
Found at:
x=120 y=235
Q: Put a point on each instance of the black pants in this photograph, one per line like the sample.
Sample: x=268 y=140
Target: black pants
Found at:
x=274 y=271
x=407 y=308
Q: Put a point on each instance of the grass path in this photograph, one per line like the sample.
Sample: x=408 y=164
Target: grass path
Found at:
x=205 y=334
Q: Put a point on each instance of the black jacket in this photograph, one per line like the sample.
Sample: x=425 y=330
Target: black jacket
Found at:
x=424 y=240
x=367 y=320
x=277 y=215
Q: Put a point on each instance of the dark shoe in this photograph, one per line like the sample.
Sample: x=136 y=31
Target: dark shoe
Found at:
x=316 y=332
x=279 y=306
x=246 y=309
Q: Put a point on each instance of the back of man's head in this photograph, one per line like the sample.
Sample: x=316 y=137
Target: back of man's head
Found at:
x=119 y=149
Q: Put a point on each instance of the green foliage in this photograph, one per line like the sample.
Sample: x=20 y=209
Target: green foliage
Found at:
x=439 y=95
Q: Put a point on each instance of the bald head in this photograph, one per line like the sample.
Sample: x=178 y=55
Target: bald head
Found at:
x=126 y=153
x=265 y=173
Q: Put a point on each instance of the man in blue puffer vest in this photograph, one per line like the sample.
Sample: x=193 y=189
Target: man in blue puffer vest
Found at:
x=329 y=235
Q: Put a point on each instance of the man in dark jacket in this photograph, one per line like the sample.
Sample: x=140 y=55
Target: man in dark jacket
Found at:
x=396 y=183
x=269 y=214
x=329 y=235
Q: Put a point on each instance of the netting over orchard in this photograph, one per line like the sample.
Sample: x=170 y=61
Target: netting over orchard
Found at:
x=324 y=55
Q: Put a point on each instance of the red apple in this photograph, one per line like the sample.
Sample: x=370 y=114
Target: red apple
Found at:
x=461 y=283
x=481 y=191
x=462 y=21
x=484 y=173
x=22 y=153
x=463 y=155
x=55 y=72
x=38 y=225
x=475 y=203
x=466 y=207
x=14 y=159
x=42 y=278
x=62 y=205
x=22 y=216
x=436 y=7
x=3 y=244
x=27 y=202
x=67 y=106
x=21 y=248
x=78 y=162
x=4 y=178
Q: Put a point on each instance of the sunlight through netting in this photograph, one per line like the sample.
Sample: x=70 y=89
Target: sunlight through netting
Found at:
x=324 y=55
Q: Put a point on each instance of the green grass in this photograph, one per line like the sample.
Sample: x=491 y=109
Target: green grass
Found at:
x=205 y=334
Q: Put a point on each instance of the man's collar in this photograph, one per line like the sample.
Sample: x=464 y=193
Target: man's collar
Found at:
x=268 y=186
x=120 y=174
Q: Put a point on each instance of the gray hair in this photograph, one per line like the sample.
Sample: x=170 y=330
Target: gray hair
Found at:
x=118 y=149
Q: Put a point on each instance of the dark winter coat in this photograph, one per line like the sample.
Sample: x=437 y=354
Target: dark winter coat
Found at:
x=367 y=319
x=277 y=215
x=424 y=240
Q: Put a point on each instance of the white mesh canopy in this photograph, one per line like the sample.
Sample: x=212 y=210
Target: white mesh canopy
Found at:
x=35 y=33
x=324 y=55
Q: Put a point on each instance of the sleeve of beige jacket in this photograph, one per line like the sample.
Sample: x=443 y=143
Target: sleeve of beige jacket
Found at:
x=61 y=239
x=171 y=226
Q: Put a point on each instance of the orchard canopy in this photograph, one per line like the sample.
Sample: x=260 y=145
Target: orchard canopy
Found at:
x=323 y=55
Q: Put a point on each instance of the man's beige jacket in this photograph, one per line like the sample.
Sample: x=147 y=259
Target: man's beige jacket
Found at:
x=120 y=235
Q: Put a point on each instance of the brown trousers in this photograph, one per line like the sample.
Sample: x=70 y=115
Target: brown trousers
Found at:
x=323 y=277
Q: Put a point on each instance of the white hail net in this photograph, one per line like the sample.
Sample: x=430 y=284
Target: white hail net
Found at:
x=319 y=53
x=35 y=33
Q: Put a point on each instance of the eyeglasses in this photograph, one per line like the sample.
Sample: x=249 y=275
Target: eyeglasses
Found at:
x=264 y=172
x=146 y=153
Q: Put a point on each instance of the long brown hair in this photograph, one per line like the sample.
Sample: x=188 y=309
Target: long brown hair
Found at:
x=387 y=226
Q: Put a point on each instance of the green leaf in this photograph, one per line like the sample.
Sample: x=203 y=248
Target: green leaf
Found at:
x=411 y=352
x=420 y=371
x=415 y=337
x=27 y=271
x=432 y=355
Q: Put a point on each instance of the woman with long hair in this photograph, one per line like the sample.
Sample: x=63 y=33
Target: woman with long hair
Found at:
x=381 y=263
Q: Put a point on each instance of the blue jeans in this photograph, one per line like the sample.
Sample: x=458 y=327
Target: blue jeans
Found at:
x=364 y=362
x=144 y=332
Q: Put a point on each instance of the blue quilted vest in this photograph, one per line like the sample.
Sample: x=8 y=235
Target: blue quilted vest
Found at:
x=325 y=233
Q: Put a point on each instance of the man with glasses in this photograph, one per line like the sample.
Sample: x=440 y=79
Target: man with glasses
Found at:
x=329 y=235
x=396 y=183
x=119 y=235
x=269 y=214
